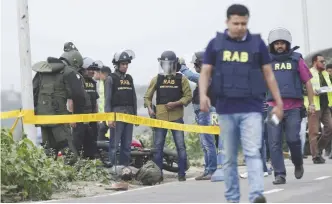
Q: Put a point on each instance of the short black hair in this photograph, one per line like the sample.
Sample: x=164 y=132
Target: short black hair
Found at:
x=106 y=69
x=237 y=9
x=315 y=57
x=329 y=66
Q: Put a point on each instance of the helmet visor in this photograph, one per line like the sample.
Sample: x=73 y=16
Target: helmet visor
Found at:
x=167 y=67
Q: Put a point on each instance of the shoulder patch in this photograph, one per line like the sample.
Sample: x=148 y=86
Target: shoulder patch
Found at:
x=78 y=76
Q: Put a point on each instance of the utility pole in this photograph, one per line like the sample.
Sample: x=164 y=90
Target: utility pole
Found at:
x=25 y=64
x=305 y=28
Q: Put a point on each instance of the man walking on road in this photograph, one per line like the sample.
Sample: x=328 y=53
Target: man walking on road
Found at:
x=322 y=102
x=290 y=71
x=239 y=65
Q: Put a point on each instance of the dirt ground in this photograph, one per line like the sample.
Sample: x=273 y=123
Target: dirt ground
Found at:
x=88 y=189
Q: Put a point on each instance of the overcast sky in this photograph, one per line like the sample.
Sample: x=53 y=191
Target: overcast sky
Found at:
x=101 y=27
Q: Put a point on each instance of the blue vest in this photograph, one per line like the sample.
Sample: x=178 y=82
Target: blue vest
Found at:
x=238 y=72
x=285 y=68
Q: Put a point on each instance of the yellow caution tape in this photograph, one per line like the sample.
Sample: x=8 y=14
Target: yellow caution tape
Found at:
x=73 y=118
x=10 y=114
x=30 y=118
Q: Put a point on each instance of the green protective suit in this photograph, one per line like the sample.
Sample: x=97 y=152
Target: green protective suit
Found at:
x=51 y=90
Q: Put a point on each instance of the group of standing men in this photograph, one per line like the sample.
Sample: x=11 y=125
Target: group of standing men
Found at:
x=236 y=74
x=72 y=84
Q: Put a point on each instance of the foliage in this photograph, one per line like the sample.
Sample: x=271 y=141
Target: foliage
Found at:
x=27 y=173
x=193 y=146
x=91 y=170
x=192 y=141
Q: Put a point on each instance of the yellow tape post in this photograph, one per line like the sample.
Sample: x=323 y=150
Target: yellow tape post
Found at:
x=20 y=114
x=30 y=118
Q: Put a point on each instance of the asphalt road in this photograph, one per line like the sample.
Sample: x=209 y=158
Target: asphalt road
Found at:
x=314 y=187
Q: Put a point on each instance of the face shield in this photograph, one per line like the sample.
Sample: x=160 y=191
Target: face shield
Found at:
x=124 y=55
x=167 y=67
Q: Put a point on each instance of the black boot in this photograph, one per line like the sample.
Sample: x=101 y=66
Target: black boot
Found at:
x=279 y=180
x=298 y=172
x=260 y=199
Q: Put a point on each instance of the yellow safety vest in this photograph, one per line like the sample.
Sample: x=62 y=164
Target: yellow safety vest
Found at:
x=316 y=85
x=101 y=101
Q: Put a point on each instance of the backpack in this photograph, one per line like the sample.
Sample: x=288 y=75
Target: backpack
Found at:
x=149 y=174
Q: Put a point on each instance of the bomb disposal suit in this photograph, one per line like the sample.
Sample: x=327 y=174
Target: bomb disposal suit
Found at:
x=120 y=97
x=202 y=118
x=56 y=83
x=173 y=93
x=290 y=72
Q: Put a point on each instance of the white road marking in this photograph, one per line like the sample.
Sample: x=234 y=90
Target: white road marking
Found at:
x=273 y=191
x=322 y=178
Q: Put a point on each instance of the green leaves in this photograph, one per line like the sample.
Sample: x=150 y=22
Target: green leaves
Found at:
x=27 y=173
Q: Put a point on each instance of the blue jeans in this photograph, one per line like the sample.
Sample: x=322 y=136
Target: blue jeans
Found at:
x=291 y=125
x=159 y=142
x=123 y=132
x=245 y=129
x=207 y=140
x=302 y=134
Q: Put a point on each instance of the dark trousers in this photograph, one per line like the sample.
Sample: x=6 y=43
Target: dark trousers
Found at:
x=291 y=124
x=318 y=144
x=91 y=148
x=84 y=140
x=57 y=137
x=102 y=130
x=265 y=146
x=178 y=137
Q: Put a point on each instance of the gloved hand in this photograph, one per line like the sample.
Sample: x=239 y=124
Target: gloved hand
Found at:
x=182 y=61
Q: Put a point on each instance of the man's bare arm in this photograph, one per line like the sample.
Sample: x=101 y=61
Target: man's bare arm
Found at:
x=70 y=105
x=272 y=84
x=204 y=79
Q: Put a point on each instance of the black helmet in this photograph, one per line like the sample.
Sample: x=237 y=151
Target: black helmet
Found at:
x=168 y=56
x=123 y=56
x=197 y=57
x=96 y=65
x=168 y=62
